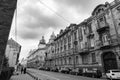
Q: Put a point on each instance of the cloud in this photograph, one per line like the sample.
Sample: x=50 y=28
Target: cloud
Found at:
x=36 y=19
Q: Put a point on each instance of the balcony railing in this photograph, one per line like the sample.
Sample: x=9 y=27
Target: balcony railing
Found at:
x=108 y=44
x=103 y=27
x=100 y=44
x=114 y=40
x=90 y=35
x=85 y=50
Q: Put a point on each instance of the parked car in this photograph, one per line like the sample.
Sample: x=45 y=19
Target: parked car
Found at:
x=113 y=74
x=65 y=70
x=92 y=73
x=47 y=69
x=41 y=68
x=76 y=71
x=54 y=69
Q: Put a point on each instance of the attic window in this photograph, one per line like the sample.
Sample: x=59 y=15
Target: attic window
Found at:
x=101 y=19
x=118 y=8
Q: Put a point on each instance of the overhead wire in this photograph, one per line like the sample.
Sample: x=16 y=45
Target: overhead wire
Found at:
x=54 y=12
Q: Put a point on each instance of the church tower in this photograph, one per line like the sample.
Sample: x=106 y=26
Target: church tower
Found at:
x=42 y=43
x=52 y=37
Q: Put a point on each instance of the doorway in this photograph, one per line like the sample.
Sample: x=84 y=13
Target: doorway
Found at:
x=109 y=61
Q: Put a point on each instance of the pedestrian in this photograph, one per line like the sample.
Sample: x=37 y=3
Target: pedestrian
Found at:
x=21 y=70
x=24 y=70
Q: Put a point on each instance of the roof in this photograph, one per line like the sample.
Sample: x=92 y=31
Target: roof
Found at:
x=13 y=43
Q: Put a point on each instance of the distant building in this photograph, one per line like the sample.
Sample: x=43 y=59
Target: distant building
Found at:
x=12 y=52
x=50 y=52
x=36 y=57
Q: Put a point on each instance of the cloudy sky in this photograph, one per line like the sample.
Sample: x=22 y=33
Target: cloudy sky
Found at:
x=37 y=18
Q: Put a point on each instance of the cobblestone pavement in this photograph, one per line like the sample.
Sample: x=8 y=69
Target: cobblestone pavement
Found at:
x=21 y=77
x=47 y=75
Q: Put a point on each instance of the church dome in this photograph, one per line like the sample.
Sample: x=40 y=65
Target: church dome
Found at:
x=42 y=41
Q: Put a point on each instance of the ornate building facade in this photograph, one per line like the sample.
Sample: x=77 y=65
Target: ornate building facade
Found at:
x=36 y=57
x=92 y=44
x=50 y=52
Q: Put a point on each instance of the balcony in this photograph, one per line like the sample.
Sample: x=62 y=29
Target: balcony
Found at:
x=103 y=45
x=91 y=48
x=90 y=35
x=114 y=40
x=84 y=51
x=102 y=28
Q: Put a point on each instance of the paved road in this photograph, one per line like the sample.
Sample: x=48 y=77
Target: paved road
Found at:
x=21 y=77
x=47 y=75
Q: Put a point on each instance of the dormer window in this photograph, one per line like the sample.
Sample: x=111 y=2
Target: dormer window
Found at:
x=118 y=8
x=101 y=19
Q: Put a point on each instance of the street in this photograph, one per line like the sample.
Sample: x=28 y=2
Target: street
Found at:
x=48 y=75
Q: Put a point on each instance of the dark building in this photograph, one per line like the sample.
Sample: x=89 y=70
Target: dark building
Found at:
x=7 y=8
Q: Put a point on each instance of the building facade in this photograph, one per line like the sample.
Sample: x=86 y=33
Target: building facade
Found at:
x=36 y=57
x=12 y=52
x=93 y=44
x=50 y=52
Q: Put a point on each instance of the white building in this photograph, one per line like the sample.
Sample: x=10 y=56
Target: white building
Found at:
x=12 y=52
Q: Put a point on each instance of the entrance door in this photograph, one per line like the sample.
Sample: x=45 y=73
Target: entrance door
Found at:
x=109 y=61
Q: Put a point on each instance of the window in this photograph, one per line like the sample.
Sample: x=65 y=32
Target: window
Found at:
x=84 y=31
x=85 y=59
x=65 y=61
x=105 y=38
x=102 y=21
x=90 y=28
x=93 y=58
x=80 y=34
x=91 y=42
x=61 y=61
x=77 y=61
x=69 y=39
x=70 y=60
x=86 y=45
x=118 y=8
x=75 y=35
x=69 y=45
x=64 y=47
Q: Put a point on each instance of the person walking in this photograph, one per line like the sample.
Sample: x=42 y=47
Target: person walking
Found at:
x=21 y=70
x=24 y=70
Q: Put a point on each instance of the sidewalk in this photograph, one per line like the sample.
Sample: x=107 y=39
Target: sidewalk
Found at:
x=21 y=77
